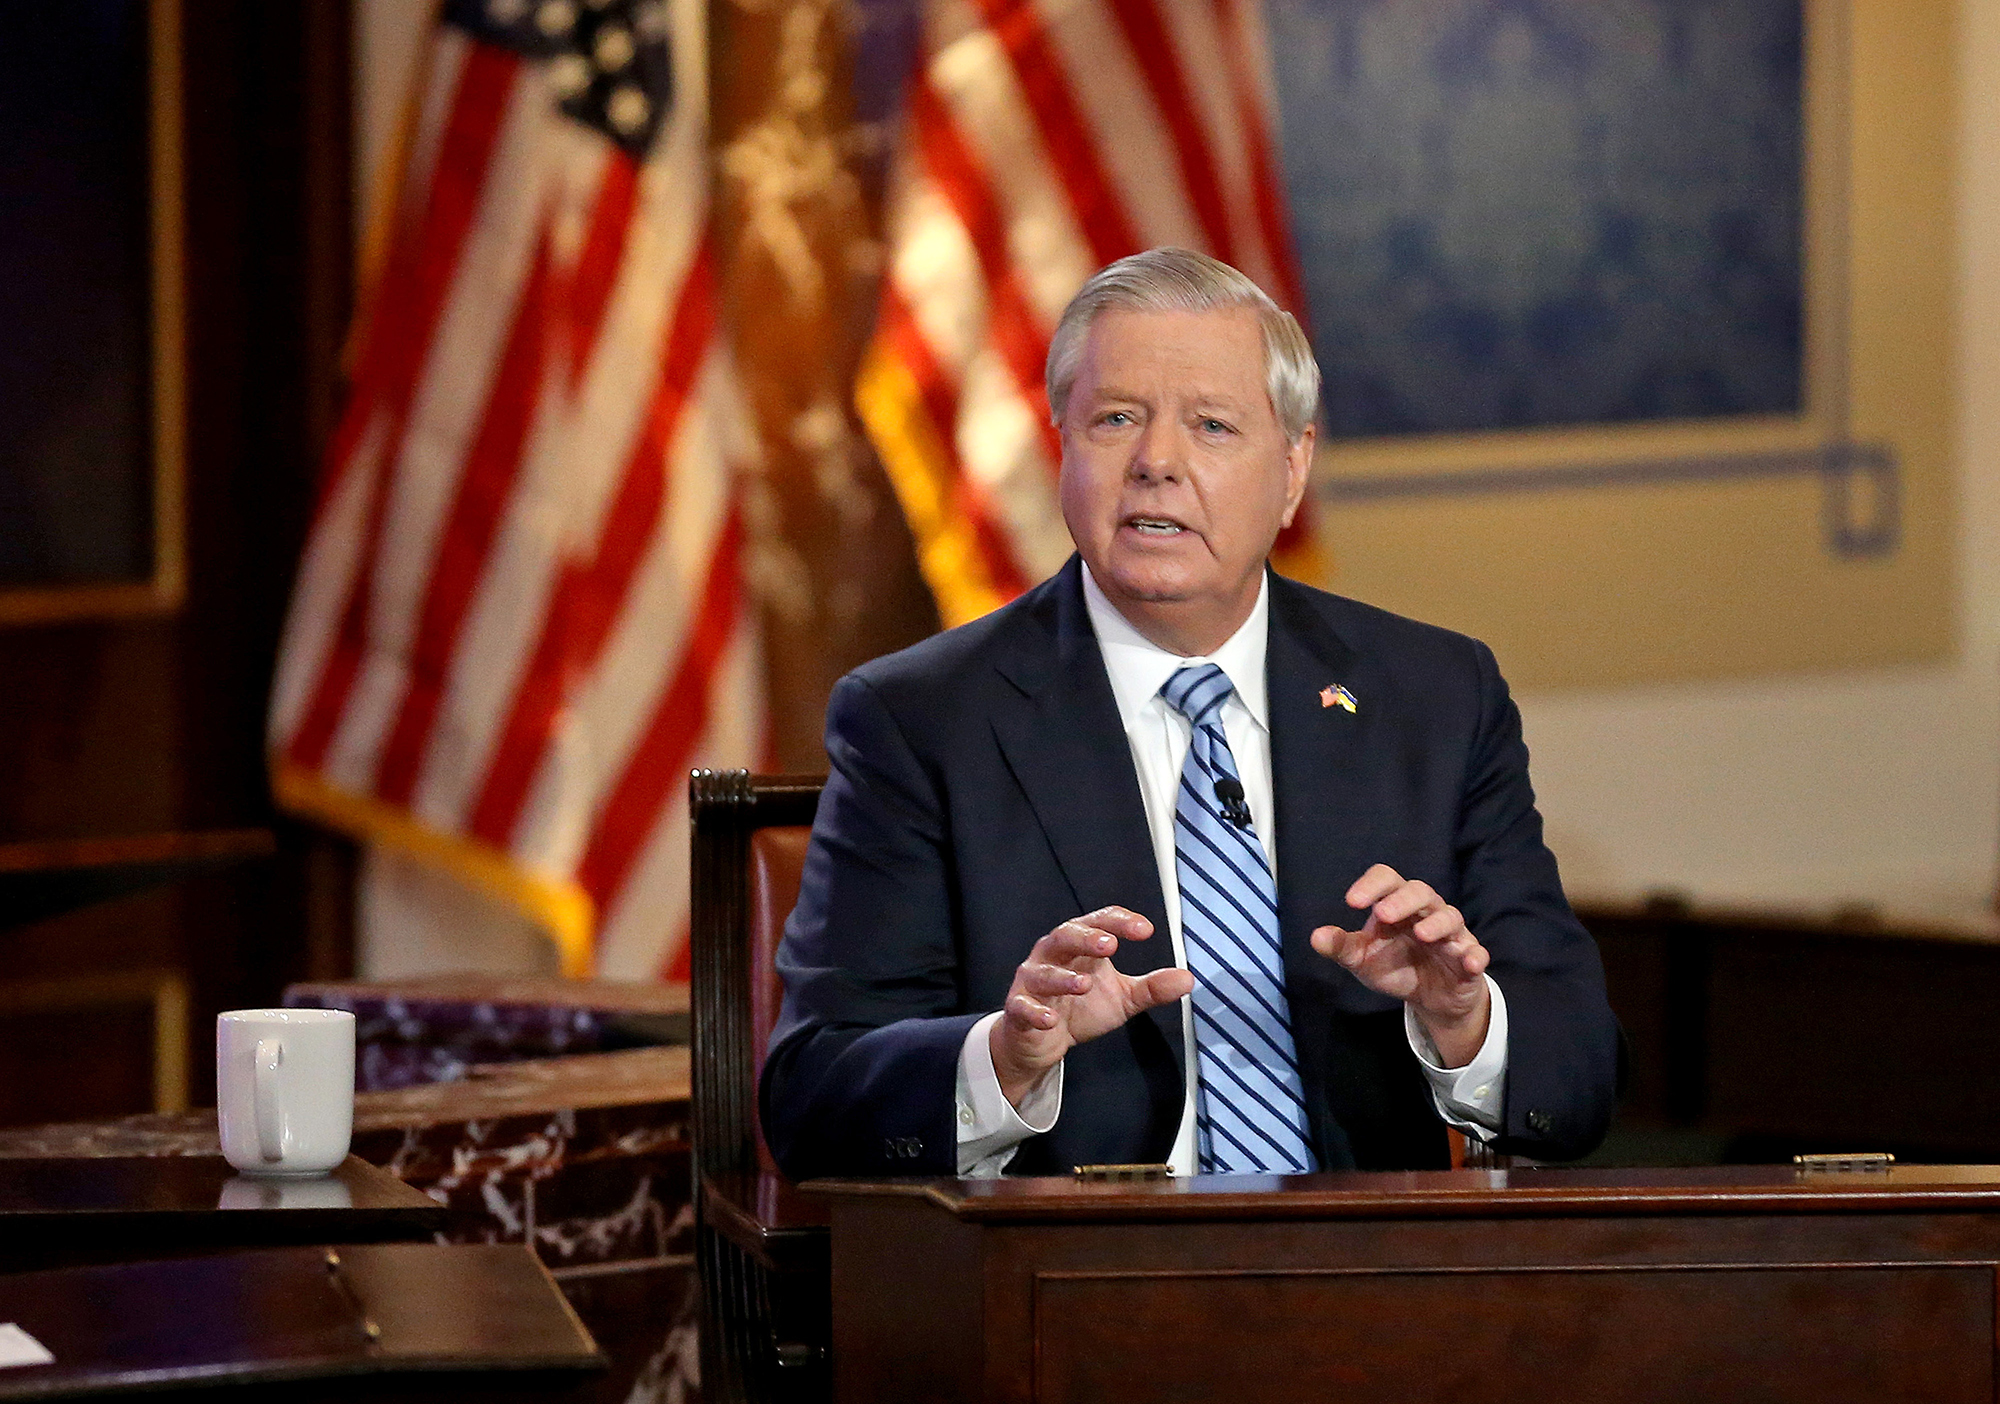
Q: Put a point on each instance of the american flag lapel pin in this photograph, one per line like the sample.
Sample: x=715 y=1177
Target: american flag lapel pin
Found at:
x=1335 y=695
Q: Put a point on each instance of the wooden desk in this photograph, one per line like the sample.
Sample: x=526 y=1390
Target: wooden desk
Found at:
x=376 y=1322
x=64 y=1212
x=582 y=1158
x=1529 y=1285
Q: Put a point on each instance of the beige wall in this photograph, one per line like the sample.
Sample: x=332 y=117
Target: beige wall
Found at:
x=1636 y=583
x=1878 y=785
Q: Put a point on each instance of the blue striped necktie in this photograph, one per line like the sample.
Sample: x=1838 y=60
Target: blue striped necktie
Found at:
x=1250 y=1116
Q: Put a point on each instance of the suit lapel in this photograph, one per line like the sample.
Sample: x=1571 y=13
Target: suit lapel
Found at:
x=1066 y=746
x=1320 y=768
x=1325 y=805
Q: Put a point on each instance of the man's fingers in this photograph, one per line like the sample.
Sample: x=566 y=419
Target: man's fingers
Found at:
x=1029 y=1012
x=1160 y=987
x=1462 y=956
x=1091 y=937
x=1050 y=981
x=1372 y=886
x=1472 y=957
x=1121 y=922
x=1073 y=941
x=1440 y=925
x=1342 y=945
x=1412 y=899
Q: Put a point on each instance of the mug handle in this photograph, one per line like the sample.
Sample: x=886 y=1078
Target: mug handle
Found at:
x=269 y=1057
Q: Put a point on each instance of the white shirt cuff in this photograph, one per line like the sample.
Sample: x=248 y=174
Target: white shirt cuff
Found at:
x=1471 y=1099
x=990 y=1129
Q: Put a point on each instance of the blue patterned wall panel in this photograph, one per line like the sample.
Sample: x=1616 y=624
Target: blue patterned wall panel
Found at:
x=1522 y=213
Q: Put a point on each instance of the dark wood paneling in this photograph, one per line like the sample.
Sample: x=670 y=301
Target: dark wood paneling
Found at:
x=1870 y=1039
x=156 y=726
x=1768 y=1034
x=1828 y=1334
x=96 y=1057
x=89 y=726
x=927 y=1298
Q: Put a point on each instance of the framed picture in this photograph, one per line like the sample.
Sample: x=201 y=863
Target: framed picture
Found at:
x=1561 y=215
x=1635 y=323
x=91 y=370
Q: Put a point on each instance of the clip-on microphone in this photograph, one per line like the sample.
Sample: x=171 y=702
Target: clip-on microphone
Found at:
x=1229 y=790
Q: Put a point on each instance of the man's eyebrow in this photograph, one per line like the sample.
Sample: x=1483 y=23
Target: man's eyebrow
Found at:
x=1199 y=399
x=1228 y=403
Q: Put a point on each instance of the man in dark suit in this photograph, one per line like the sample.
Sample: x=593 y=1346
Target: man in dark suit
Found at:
x=1173 y=859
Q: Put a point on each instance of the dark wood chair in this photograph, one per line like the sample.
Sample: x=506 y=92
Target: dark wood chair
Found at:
x=762 y=1249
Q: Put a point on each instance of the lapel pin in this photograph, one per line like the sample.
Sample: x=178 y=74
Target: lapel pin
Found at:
x=1338 y=696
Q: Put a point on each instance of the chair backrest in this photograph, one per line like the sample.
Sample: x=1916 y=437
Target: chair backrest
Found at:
x=777 y=859
x=750 y=836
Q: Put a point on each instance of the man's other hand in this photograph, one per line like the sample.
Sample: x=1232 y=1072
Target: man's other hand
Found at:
x=1414 y=947
x=1068 y=992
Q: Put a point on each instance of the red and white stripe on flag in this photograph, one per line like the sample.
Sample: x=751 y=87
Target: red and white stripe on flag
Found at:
x=1044 y=139
x=519 y=620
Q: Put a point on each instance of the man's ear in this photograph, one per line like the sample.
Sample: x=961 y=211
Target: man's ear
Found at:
x=1298 y=471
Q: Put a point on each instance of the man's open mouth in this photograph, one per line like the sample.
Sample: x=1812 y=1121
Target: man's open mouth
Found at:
x=1155 y=526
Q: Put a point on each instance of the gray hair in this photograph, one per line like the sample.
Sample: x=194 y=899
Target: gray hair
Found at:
x=1180 y=280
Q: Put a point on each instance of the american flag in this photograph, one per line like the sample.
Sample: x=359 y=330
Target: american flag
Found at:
x=519 y=619
x=1044 y=139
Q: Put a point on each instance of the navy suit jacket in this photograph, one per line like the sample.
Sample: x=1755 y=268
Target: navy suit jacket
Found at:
x=982 y=792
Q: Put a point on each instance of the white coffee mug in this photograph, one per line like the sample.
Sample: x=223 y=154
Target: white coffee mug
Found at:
x=284 y=1089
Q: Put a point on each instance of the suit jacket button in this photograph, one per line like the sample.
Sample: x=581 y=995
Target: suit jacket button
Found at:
x=1539 y=1122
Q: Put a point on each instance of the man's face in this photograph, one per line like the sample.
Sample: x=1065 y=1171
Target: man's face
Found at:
x=1176 y=476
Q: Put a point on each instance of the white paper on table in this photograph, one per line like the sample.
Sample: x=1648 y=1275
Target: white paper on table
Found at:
x=17 y=1347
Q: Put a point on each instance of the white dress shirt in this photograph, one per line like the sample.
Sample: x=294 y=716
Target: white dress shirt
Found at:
x=990 y=1128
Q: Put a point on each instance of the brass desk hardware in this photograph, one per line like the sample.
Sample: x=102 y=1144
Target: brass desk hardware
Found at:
x=1837 y=1164
x=1124 y=1172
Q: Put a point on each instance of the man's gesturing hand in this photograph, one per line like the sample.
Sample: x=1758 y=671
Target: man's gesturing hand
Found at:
x=1414 y=947
x=1067 y=992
